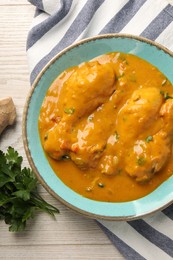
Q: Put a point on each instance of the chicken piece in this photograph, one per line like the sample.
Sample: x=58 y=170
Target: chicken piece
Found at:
x=138 y=113
x=93 y=134
x=134 y=117
x=108 y=164
x=166 y=112
x=147 y=158
x=87 y=157
x=87 y=88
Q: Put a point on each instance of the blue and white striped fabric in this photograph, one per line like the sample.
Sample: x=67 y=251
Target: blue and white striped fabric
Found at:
x=59 y=23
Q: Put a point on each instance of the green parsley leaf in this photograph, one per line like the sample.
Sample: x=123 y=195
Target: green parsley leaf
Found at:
x=19 y=198
x=141 y=161
x=117 y=136
x=123 y=58
x=13 y=158
x=165 y=95
x=90 y=118
x=149 y=138
x=69 y=111
x=23 y=194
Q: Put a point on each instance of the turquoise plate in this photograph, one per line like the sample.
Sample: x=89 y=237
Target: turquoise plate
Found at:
x=75 y=54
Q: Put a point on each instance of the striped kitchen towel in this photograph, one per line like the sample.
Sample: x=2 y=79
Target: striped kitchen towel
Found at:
x=59 y=23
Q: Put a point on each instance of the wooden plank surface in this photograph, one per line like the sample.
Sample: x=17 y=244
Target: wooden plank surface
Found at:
x=14 y=2
x=70 y=236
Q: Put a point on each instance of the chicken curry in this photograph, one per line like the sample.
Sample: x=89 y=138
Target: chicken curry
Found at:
x=106 y=127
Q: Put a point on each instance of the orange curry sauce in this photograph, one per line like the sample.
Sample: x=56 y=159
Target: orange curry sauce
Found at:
x=106 y=128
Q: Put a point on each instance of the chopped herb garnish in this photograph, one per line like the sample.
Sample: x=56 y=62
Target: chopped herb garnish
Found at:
x=149 y=138
x=101 y=185
x=46 y=137
x=123 y=59
x=164 y=82
x=69 y=111
x=90 y=118
x=119 y=171
x=141 y=161
x=121 y=75
x=165 y=94
x=117 y=136
x=65 y=157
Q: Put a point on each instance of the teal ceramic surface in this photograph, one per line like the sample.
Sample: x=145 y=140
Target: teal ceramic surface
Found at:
x=83 y=51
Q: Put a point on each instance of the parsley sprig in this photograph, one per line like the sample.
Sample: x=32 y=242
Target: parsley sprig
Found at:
x=19 y=198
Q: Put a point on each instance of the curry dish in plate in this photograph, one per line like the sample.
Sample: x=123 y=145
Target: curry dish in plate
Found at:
x=106 y=127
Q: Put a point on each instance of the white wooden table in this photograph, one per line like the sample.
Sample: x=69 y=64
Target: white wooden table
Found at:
x=70 y=236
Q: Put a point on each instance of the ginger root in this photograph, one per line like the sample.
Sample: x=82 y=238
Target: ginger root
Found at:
x=7 y=113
